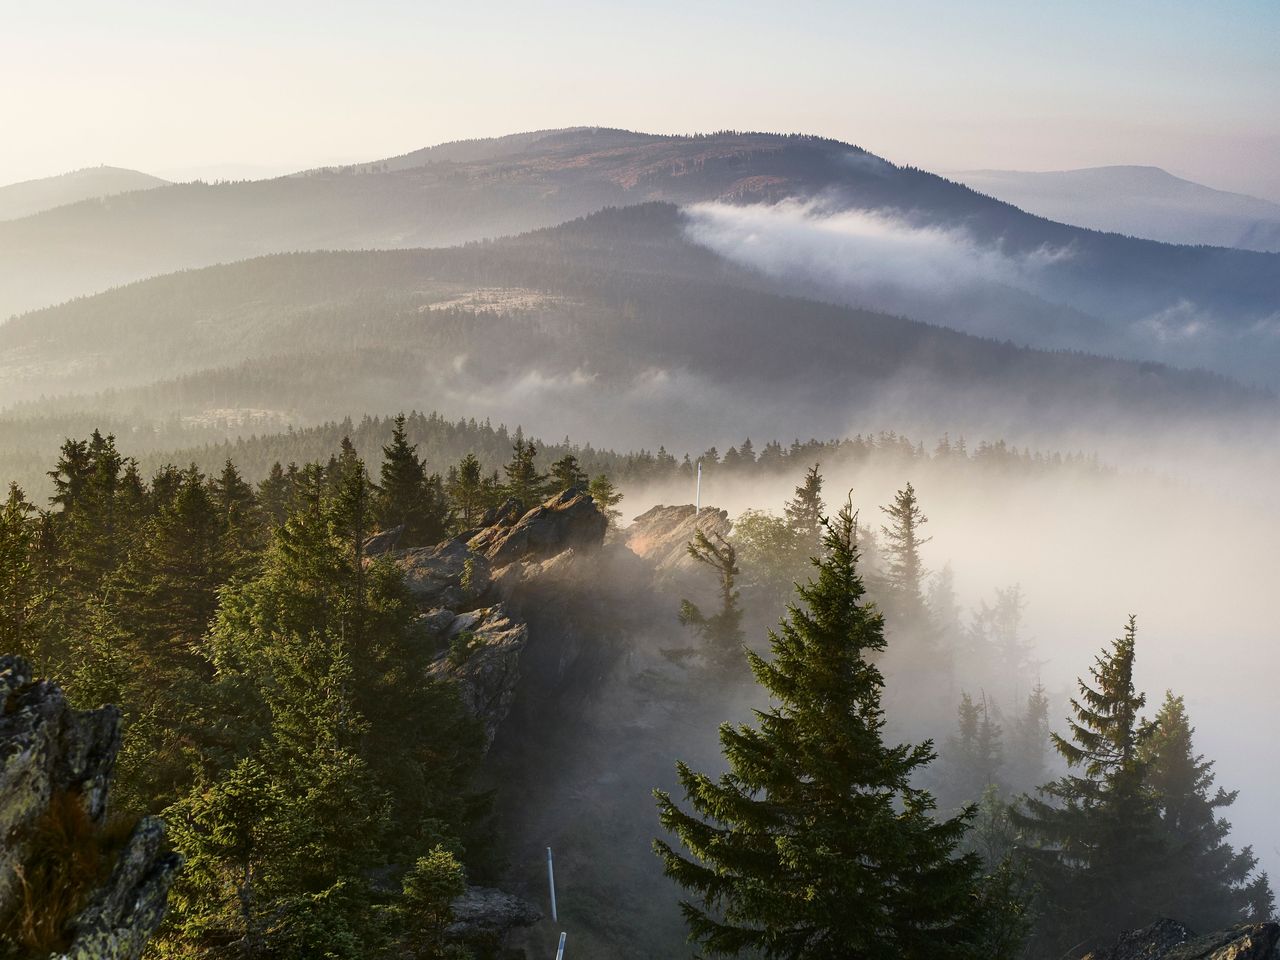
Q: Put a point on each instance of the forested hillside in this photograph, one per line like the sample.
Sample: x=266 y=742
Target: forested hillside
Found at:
x=604 y=327
x=347 y=719
x=458 y=193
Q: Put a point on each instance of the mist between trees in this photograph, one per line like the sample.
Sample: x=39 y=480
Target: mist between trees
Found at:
x=268 y=673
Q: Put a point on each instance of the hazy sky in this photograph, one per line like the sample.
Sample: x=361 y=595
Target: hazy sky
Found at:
x=240 y=88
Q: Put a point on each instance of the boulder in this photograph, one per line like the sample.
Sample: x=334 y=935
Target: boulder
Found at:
x=503 y=515
x=383 y=542
x=1170 y=940
x=569 y=520
x=661 y=535
x=486 y=914
x=482 y=655
x=57 y=761
x=447 y=575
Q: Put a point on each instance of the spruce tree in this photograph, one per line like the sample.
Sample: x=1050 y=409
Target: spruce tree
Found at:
x=18 y=532
x=1093 y=838
x=1206 y=884
x=721 y=633
x=902 y=542
x=815 y=844
x=606 y=497
x=407 y=496
x=466 y=489
x=1030 y=742
x=973 y=756
x=804 y=512
x=566 y=474
x=524 y=483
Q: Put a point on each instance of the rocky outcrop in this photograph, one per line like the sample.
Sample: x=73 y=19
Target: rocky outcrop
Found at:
x=485 y=914
x=449 y=575
x=568 y=521
x=481 y=653
x=662 y=535
x=1170 y=940
x=383 y=542
x=55 y=768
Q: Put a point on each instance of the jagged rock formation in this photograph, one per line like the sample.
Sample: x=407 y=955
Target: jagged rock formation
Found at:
x=483 y=657
x=661 y=535
x=55 y=764
x=567 y=521
x=448 y=575
x=1170 y=940
x=462 y=586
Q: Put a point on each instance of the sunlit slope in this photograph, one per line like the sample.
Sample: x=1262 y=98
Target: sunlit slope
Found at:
x=617 y=322
x=468 y=191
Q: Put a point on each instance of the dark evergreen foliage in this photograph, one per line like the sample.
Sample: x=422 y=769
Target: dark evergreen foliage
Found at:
x=815 y=844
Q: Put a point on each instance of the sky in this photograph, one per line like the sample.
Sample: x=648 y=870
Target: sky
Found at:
x=238 y=88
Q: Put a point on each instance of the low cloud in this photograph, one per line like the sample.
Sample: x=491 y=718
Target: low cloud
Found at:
x=860 y=249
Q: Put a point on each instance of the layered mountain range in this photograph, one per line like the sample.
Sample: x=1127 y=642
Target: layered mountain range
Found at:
x=664 y=288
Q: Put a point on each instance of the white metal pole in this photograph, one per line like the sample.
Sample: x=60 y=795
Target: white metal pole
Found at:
x=560 y=951
x=551 y=881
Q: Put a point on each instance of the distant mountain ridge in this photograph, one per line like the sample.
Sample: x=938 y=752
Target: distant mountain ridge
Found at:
x=614 y=322
x=1103 y=293
x=34 y=196
x=1140 y=201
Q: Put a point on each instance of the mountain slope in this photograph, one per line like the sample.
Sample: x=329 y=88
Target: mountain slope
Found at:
x=92 y=183
x=1090 y=291
x=1138 y=201
x=615 y=327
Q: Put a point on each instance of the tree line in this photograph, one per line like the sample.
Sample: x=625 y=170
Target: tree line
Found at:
x=822 y=839
x=268 y=670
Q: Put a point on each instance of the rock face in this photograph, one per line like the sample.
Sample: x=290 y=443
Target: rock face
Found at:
x=448 y=575
x=662 y=535
x=1170 y=940
x=483 y=656
x=567 y=521
x=483 y=913
x=54 y=758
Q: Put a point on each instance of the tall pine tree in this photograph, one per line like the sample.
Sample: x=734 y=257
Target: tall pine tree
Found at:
x=1207 y=884
x=1093 y=838
x=815 y=844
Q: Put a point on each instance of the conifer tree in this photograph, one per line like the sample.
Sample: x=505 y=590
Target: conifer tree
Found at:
x=1094 y=840
x=721 y=632
x=18 y=532
x=407 y=496
x=275 y=495
x=1207 y=884
x=1030 y=742
x=237 y=509
x=804 y=512
x=466 y=489
x=973 y=755
x=815 y=844
x=166 y=590
x=524 y=483
x=566 y=474
x=606 y=497
x=902 y=542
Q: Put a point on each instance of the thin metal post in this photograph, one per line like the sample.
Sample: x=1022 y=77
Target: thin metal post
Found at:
x=551 y=881
x=560 y=951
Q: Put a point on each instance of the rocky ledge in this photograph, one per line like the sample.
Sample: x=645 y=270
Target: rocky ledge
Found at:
x=55 y=769
x=1170 y=940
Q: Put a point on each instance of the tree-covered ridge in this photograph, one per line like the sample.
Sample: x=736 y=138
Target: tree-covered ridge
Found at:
x=268 y=672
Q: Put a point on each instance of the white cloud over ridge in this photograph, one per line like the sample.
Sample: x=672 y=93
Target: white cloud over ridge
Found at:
x=860 y=249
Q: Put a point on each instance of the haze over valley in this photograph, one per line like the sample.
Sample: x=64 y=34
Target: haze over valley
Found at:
x=713 y=533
